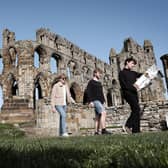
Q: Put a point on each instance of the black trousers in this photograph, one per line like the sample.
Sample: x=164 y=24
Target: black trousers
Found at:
x=134 y=119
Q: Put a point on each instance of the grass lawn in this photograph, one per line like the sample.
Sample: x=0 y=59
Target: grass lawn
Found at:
x=145 y=150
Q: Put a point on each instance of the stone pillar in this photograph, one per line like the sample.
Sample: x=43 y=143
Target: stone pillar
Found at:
x=164 y=59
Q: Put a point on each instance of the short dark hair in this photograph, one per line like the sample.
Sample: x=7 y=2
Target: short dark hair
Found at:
x=97 y=70
x=129 y=60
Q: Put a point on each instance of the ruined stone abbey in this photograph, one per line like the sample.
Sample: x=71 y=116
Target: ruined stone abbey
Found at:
x=27 y=78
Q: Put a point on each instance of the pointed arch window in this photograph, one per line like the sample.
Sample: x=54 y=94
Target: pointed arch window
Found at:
x=37 y=95
x=55 y=63
x=36 y=60
x=1 y=65
x=1 y=97
x=109 y=99
x=68 y=72
x=38 y=91
x=76 y=92
x=15 y=91
x=13 y=56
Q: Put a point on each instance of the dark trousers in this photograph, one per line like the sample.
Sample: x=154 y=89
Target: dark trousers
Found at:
x=134 y=119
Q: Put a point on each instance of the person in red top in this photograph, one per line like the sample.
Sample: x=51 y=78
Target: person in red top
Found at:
x=127 y=78
x=95 y=98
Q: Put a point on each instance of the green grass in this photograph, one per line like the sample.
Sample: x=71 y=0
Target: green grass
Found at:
x=8 y=131
x=149 y=150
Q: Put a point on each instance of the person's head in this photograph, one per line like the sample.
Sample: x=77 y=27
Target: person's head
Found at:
x=96 y=73
x=62 y=78
x=130 y=63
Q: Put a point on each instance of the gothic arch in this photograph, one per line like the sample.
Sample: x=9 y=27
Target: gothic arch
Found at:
x=115 y=93
x=13 y=56
x=76 y=92
x=1 y=96
x=11 y=86
x=40 y=56
x=55 y=61
x=40 y=90
x=87 y=73
x=1 y=64
x=71 y=67
x=41 y=79
x=109 y=98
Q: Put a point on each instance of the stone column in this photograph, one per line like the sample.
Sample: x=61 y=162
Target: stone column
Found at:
x=164 y=60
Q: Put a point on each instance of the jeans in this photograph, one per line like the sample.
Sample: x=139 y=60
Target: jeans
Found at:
x=62 y=111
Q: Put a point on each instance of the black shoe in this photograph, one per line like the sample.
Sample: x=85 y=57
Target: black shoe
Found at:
x=97 y=133
x=104 y=131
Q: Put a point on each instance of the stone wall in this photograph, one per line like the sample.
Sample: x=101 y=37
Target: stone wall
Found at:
x=80 y=119
x=27 y=82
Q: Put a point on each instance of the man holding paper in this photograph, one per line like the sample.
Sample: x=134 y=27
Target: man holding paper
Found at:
x=127 y=78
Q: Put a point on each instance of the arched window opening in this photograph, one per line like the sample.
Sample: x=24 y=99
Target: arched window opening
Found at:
x=16 y=61
x=15 y=91
x=53 y=65
x=1 y=65
x=109 y=99
x=37 y=93
x=13 y=56
x=76 y=92
x=71 y=68
x=68 y=73
x=40 y=58
x=36 y=60
x=1 y=98
x=72 y=91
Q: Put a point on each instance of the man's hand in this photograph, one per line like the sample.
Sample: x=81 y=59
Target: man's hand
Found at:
x=53 y=109
x=136 y=86
x=91 y=104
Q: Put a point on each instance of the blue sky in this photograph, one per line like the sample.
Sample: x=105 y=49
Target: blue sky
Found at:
x=93 y=25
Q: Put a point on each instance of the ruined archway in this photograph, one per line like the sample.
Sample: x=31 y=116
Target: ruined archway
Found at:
x=109 y=98
x=13 y=56
x=10 y=86
x=55 y=63
x=15 y=90
x=40 y=57
x=76 y=92
x=1 y=97
x=36 y=60
x=40 y=88
x=71 y=66
x=1 y=64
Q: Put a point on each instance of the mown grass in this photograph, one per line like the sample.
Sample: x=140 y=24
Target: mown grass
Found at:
x=9 y=130
x=145 y=150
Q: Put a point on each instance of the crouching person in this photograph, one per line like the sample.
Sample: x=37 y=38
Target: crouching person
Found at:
x=60 y=96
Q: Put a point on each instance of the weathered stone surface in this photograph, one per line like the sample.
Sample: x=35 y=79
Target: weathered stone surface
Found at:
x=27 y=82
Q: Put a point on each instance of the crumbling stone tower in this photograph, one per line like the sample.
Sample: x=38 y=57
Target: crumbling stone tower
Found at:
x=27 y=78
x=145 y=58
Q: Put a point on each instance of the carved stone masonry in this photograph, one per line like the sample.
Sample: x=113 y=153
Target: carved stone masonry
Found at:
x=26 y=88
